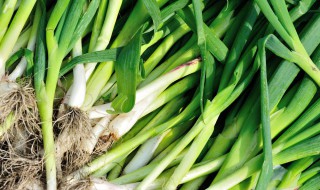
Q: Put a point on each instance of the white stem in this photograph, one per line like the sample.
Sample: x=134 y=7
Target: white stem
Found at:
x=99 y=184
x=97 y=130
x=155 y=87
x=124 y=122
x=78 y=88
x=144 y=154
x=89 y=68
x=161 y=83
x=18 y=71
x=100 y=111
x=21 y=67
x=156 y=185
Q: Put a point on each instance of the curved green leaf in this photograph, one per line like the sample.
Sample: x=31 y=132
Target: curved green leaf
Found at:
x=97 y=56
x=127 y=69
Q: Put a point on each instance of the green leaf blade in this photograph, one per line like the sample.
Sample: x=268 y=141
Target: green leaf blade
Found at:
x=154 y=12
x=127 y=69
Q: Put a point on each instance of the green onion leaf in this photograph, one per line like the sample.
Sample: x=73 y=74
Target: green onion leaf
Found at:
x=127 y=68
x=40 y=50
x=218 y=49
x=17 y=55
x=29 y=57
x=84 y=21
x=173 y=7
x=154 y=12
x=28 y=54
x=97 y=56
x=267 y=169
x=202 y=46
x=306 y=148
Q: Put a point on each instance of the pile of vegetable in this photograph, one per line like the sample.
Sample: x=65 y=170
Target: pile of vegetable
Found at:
x=159 y=94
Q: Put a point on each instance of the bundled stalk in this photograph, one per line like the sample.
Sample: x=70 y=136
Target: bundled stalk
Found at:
x=20 y=134
x=159 y=94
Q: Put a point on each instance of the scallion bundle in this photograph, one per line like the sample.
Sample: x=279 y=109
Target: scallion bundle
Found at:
x=159 y=94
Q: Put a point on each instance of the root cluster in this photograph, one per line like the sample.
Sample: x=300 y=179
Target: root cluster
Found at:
x=73 y=129
x=76 y=185
x=104 y=143
x=19 y=102
x=20 y=141
x=19 y=170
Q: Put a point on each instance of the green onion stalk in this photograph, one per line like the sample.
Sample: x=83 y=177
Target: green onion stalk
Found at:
x=280 y=116
x=139 y=174
x=190 y=49
x=232 y=129
x=12 y=93
x=170 y=137
x=185 y=141
x=226 y=139
x=141 y=109
x=20 y=136
x=282 y=154
x=65 y=27
x=141 y=157
x=98 y=183
x=131 y=144
x=309 y=174
x=160 y=52
x=312 y=183
x=104 y=70
x=22 y=41
x=216 y=107
x=7 y=10
x=150 y=147
x=100 y=38
x=73 y=121
x=196 y=171
x=294 y=171
x=281 y=21
x=304 y=146
x=168 y=98
x=100 y=111
x=288 y=114
x=122 y=123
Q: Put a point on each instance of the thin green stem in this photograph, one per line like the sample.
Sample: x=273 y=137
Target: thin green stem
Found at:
x=191 y=155
x=13 y=32
x=46 y=113
x=6 y=12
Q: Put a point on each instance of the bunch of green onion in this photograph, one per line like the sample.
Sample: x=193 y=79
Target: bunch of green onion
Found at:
x=159 y=94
